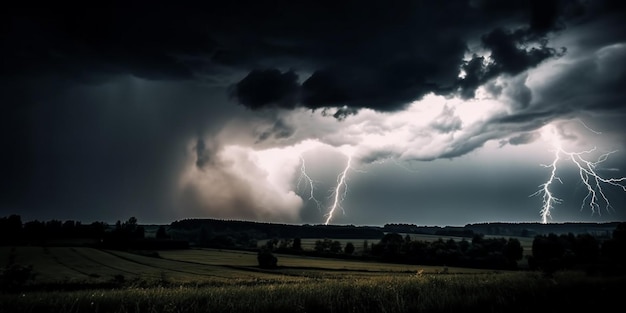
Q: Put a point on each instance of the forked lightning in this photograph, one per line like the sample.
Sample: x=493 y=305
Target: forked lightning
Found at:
x=589 y=176
x=337 y=194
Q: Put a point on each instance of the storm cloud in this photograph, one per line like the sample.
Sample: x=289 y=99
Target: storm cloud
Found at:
x=177 y=109
x=384 y=64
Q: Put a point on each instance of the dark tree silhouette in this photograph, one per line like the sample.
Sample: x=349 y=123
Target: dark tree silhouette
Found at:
x=266 y=259
x=10 y=229
x=297 y=244
x=513 y=250
x=349 y=249
x=162 y=233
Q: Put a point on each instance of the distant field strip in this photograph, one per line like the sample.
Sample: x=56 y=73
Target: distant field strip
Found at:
x=101 y=258
x=168 y=265
x=46 y=265
x=189 y=270
x=200 y=266
x=243 y=258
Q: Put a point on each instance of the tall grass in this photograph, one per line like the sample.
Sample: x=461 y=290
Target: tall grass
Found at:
x=510 y=292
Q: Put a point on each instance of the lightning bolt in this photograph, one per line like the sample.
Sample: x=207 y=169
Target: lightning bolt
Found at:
x=549 y=200
x=307 y=179
x=337 y=194
x=590 y=178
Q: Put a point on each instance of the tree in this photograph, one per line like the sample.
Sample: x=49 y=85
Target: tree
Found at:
x=297 y=244
x=10 y=229
x=139 y=232
x=285 y=244
x=323 y=245
x=391 y=244
x=15 y=276
x=513 y=250
x=130 y=225
x=615 y=248
x=548 y=254
x=586 y=248
x=266 y=259
x=349 y=249
x=161 y=233
x=335 y=247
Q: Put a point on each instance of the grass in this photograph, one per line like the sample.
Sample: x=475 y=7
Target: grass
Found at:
x=81 y=279
x=248 y=259
x=511 y=292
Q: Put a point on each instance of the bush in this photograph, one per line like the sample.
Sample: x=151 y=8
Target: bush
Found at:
x=266 y=259
x=349 y=249
x=15 y=277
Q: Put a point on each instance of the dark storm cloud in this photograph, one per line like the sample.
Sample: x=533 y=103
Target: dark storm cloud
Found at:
x=102 y=151
x=593 y=83
x=539 y=118
x=508 y=56
x=101 y=101
x=402 y=59
x=262 y=88
x=278 y=130
x=391 y=85
x=96 y=42
x=203 y=153
x=360 y=54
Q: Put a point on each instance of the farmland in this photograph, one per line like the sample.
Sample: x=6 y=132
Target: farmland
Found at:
x=84 y=279
x=92 y=266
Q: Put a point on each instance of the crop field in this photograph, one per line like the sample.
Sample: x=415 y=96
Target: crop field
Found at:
x=83 y=279
x=92 y=266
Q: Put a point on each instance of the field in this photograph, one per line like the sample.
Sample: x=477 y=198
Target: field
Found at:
x=91 y=266
x=82 y=279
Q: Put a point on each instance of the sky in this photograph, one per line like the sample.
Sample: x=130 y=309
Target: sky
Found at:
x=423 y=112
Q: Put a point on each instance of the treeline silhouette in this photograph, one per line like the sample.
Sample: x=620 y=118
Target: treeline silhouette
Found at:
x=522 y=229
x=591 y=250
x=480 y=252
x=216 y=233
x=550 y=253
x=553 y=252
x=123 y=235
x=14 y=231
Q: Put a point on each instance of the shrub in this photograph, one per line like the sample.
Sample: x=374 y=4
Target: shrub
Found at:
x=15 y=277
x=266 y=259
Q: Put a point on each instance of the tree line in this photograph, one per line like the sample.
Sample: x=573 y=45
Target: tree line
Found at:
x=480 y=252
x=123 y=234
x=553 y=252
x=550 y=252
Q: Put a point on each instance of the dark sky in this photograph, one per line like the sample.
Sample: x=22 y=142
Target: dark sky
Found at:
x=449 y=111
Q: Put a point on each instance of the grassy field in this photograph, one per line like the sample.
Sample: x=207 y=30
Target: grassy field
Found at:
x=92 y=266
x=82 y=279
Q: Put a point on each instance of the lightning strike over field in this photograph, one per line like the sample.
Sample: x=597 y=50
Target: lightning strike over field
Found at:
x=304 y=177
x=549 y=200
x=588 y=175
x=337 y=194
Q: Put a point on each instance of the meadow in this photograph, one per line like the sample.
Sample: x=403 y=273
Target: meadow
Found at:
x=83 y=279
